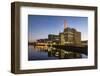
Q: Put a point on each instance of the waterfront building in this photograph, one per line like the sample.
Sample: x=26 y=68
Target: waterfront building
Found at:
x=56 y=44
x=84 y=43
x=42 y=40
x=53 y=37
x=69 y=36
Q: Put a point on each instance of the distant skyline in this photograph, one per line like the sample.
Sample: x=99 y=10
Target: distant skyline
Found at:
x=39 y=26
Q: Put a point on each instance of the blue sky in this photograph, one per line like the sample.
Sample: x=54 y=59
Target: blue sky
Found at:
x=39 y=26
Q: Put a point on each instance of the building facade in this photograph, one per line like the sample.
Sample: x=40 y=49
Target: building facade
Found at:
x=53 y=37
x=70 y=36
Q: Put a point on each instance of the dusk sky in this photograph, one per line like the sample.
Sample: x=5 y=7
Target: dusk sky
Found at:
x=39 y=26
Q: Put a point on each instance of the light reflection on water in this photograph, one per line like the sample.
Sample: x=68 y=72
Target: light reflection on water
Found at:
x=39 y=53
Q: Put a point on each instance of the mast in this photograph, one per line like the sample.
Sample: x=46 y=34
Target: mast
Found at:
x=65 y=24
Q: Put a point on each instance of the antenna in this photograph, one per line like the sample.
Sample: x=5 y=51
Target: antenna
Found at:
x=65 y=24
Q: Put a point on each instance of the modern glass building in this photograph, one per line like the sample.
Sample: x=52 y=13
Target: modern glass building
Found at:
x=70 y=36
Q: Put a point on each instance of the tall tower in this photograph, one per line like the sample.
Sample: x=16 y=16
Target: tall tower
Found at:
x=65 y=24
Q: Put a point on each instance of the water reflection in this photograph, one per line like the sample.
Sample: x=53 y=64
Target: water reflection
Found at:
x=49 y=53
x=39 y=53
